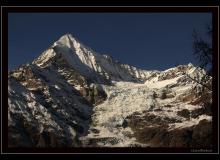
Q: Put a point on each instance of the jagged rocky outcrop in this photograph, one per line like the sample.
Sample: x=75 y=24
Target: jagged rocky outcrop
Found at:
x=42 y=115
x=71 y=96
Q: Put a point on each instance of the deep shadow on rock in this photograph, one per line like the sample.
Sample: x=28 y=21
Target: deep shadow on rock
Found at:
x=69 y=111
x=154 y=131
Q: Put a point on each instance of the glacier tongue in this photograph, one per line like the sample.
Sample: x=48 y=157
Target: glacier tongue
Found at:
x=128 y=98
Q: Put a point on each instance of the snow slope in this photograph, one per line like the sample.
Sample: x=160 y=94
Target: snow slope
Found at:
x=88 y=62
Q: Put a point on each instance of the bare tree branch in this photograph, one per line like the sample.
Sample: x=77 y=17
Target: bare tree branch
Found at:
x=202 y=82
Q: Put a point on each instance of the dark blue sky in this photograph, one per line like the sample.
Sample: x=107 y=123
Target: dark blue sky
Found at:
x=145 y=40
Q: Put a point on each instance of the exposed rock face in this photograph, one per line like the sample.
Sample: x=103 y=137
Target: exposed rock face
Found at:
x=94 y=94
x=38 y=118
x=155 y=131
x=71 y=96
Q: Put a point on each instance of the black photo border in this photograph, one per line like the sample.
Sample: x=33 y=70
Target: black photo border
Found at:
x=107 y=9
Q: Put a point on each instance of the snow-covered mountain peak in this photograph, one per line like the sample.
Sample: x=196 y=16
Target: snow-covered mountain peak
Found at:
x=91 y=64
x=68 y=40
x=71 y=96
x=66 y=47
x=67 y=36
x=88 y=62
x=190 y=65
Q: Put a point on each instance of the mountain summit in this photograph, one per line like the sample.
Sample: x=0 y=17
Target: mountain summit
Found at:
x=88 y=62
x=71 y=96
